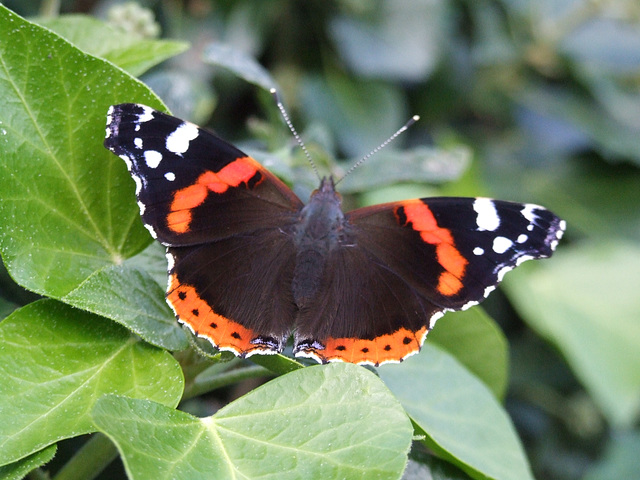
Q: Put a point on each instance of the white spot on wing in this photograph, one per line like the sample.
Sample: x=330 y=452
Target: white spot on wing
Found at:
x=487 y=218
x=146 y=115
x=142 y=207
x=501 y=244
x=178 y=141
x=152 y=158
x=522 y=238
x=170 y=176
x=478 y=251
x=137 y=142
x=528 y=212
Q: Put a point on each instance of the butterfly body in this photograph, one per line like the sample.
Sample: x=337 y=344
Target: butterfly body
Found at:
x=250 y=263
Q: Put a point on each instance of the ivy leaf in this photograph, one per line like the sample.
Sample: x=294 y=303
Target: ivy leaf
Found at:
x=458 y=414
x=19 y=470
x=330 y=421
x=586 y=303
x=56 y=361
x=131 y=53
x=67 y=210
x=478 y=343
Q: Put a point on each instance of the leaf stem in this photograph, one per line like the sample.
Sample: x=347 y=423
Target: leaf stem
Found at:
x=50 y=8
x=90 y=460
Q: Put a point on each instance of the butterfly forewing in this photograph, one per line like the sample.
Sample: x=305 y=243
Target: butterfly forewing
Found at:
x=183 y=173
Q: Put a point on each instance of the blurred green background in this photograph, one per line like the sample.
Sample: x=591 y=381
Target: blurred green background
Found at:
x=534 y=101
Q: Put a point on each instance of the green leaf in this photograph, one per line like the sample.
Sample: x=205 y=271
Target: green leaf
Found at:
x=615 y=140
x=478 y=343
x=586 y=302
x=19 y=470
x=419 y=165
x=353 y=110
x=238 y=62
x=55 y=361
x=462 y=419
x=401 y=31
x=331 y=421
x=620 y=459
x=131 y=53
x=67 y=210
x=132 y=298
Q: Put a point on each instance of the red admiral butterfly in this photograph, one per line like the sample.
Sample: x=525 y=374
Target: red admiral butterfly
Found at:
x=249 y=263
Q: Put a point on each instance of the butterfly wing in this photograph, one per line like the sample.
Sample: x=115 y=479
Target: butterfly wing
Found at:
x=225 y=220
x=192 y=186
x=409 y=263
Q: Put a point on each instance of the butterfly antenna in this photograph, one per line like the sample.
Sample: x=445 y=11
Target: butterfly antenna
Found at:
x=411 y=121
x=280 y=105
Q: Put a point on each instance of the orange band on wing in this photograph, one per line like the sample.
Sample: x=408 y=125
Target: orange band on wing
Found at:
x=239 y=171
x=449 y=257
x=393 y=347
x=196 y=313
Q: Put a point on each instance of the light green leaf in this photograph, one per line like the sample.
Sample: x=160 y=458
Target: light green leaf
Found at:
x=586 y=302
x=478 y=343
x=132 y=298
x=463 y=421
x=67 y=209
x=620 y=459
x=131 y=53
x=419 y=165
x=331 y=422
x=19 y=470
x=56 y=361
x=241 y=64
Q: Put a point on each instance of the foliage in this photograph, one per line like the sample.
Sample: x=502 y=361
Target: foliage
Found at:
x=543 y=94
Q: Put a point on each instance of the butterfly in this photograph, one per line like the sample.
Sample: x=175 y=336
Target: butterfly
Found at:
x=249 y=264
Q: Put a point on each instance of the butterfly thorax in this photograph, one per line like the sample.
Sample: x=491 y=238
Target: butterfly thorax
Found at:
x=322 y=228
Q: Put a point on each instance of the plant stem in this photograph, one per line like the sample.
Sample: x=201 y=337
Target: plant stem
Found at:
x=90 y=460
x=200 y=386
x=50 y=8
